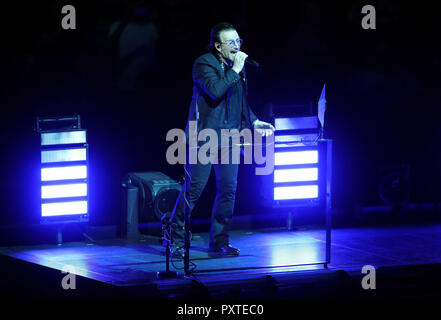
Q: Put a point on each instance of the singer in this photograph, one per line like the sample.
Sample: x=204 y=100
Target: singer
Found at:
x=219 y=102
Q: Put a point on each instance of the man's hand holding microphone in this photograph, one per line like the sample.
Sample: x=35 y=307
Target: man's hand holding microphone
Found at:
x=239 y=61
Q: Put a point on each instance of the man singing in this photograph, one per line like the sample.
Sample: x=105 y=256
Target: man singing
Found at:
x=219 y=102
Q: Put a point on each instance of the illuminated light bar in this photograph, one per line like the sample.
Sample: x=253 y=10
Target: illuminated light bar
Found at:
x=63 y=155
x=65 y=190
x=295 y=157
x=63 y=173
x=296 y=123
x=296 y=192
x=63 y=208
x=303 y=139
x=57 y=138
x=294 y=175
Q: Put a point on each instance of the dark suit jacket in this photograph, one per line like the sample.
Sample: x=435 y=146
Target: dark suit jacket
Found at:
x=215 y=93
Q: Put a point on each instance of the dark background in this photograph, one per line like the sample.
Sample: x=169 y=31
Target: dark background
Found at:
x=382 y=90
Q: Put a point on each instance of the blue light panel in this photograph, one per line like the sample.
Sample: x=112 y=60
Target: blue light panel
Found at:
x=64 y=173
x=68 y=137
x=64 y=191
x=63 y=208
x=296 y=192
x=296 y=157
x=295 y=175
x=51 y=156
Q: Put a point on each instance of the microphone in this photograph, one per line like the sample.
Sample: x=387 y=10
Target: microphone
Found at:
x=249 y=61
x=252 y=62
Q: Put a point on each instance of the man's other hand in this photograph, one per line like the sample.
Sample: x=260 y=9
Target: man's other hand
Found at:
x=264 y=128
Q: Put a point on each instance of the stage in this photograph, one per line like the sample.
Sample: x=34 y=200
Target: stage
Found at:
x=274 y=264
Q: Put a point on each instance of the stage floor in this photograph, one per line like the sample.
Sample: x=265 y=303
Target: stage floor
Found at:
x=126 y=263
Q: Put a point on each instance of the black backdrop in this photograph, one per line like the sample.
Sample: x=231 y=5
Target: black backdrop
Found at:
x=382 y=91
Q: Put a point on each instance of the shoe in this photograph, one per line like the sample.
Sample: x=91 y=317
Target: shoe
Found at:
x=226 y=250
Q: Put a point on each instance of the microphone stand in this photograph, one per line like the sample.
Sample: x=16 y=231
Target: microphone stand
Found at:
x=168 y=237
x=186 y=193
x=186 y=222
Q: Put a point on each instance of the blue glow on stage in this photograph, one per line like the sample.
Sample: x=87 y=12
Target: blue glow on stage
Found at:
x=64 y=190
x=285 y=255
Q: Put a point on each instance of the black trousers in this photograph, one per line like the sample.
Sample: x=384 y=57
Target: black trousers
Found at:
x=223 y=207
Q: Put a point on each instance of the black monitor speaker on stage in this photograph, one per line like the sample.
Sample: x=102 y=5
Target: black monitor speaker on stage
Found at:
x=147 y=197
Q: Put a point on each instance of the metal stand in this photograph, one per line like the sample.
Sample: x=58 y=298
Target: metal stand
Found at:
x=61 y=226
x=328 y=200
x=59 y=235
x=193 y=136
x=168 y=237
x=129 y=225
x=290 y=220
x=185 y=193
x=328 y=232
x=186 y=222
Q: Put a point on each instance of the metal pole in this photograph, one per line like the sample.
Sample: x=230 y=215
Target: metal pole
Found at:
x=59 y=236
x=328 y=233
x=328 y=200
x=187 y=222
x=167 y=253
x=168 y=238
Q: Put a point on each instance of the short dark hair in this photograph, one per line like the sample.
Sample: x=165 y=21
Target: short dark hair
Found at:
x=215 y=33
